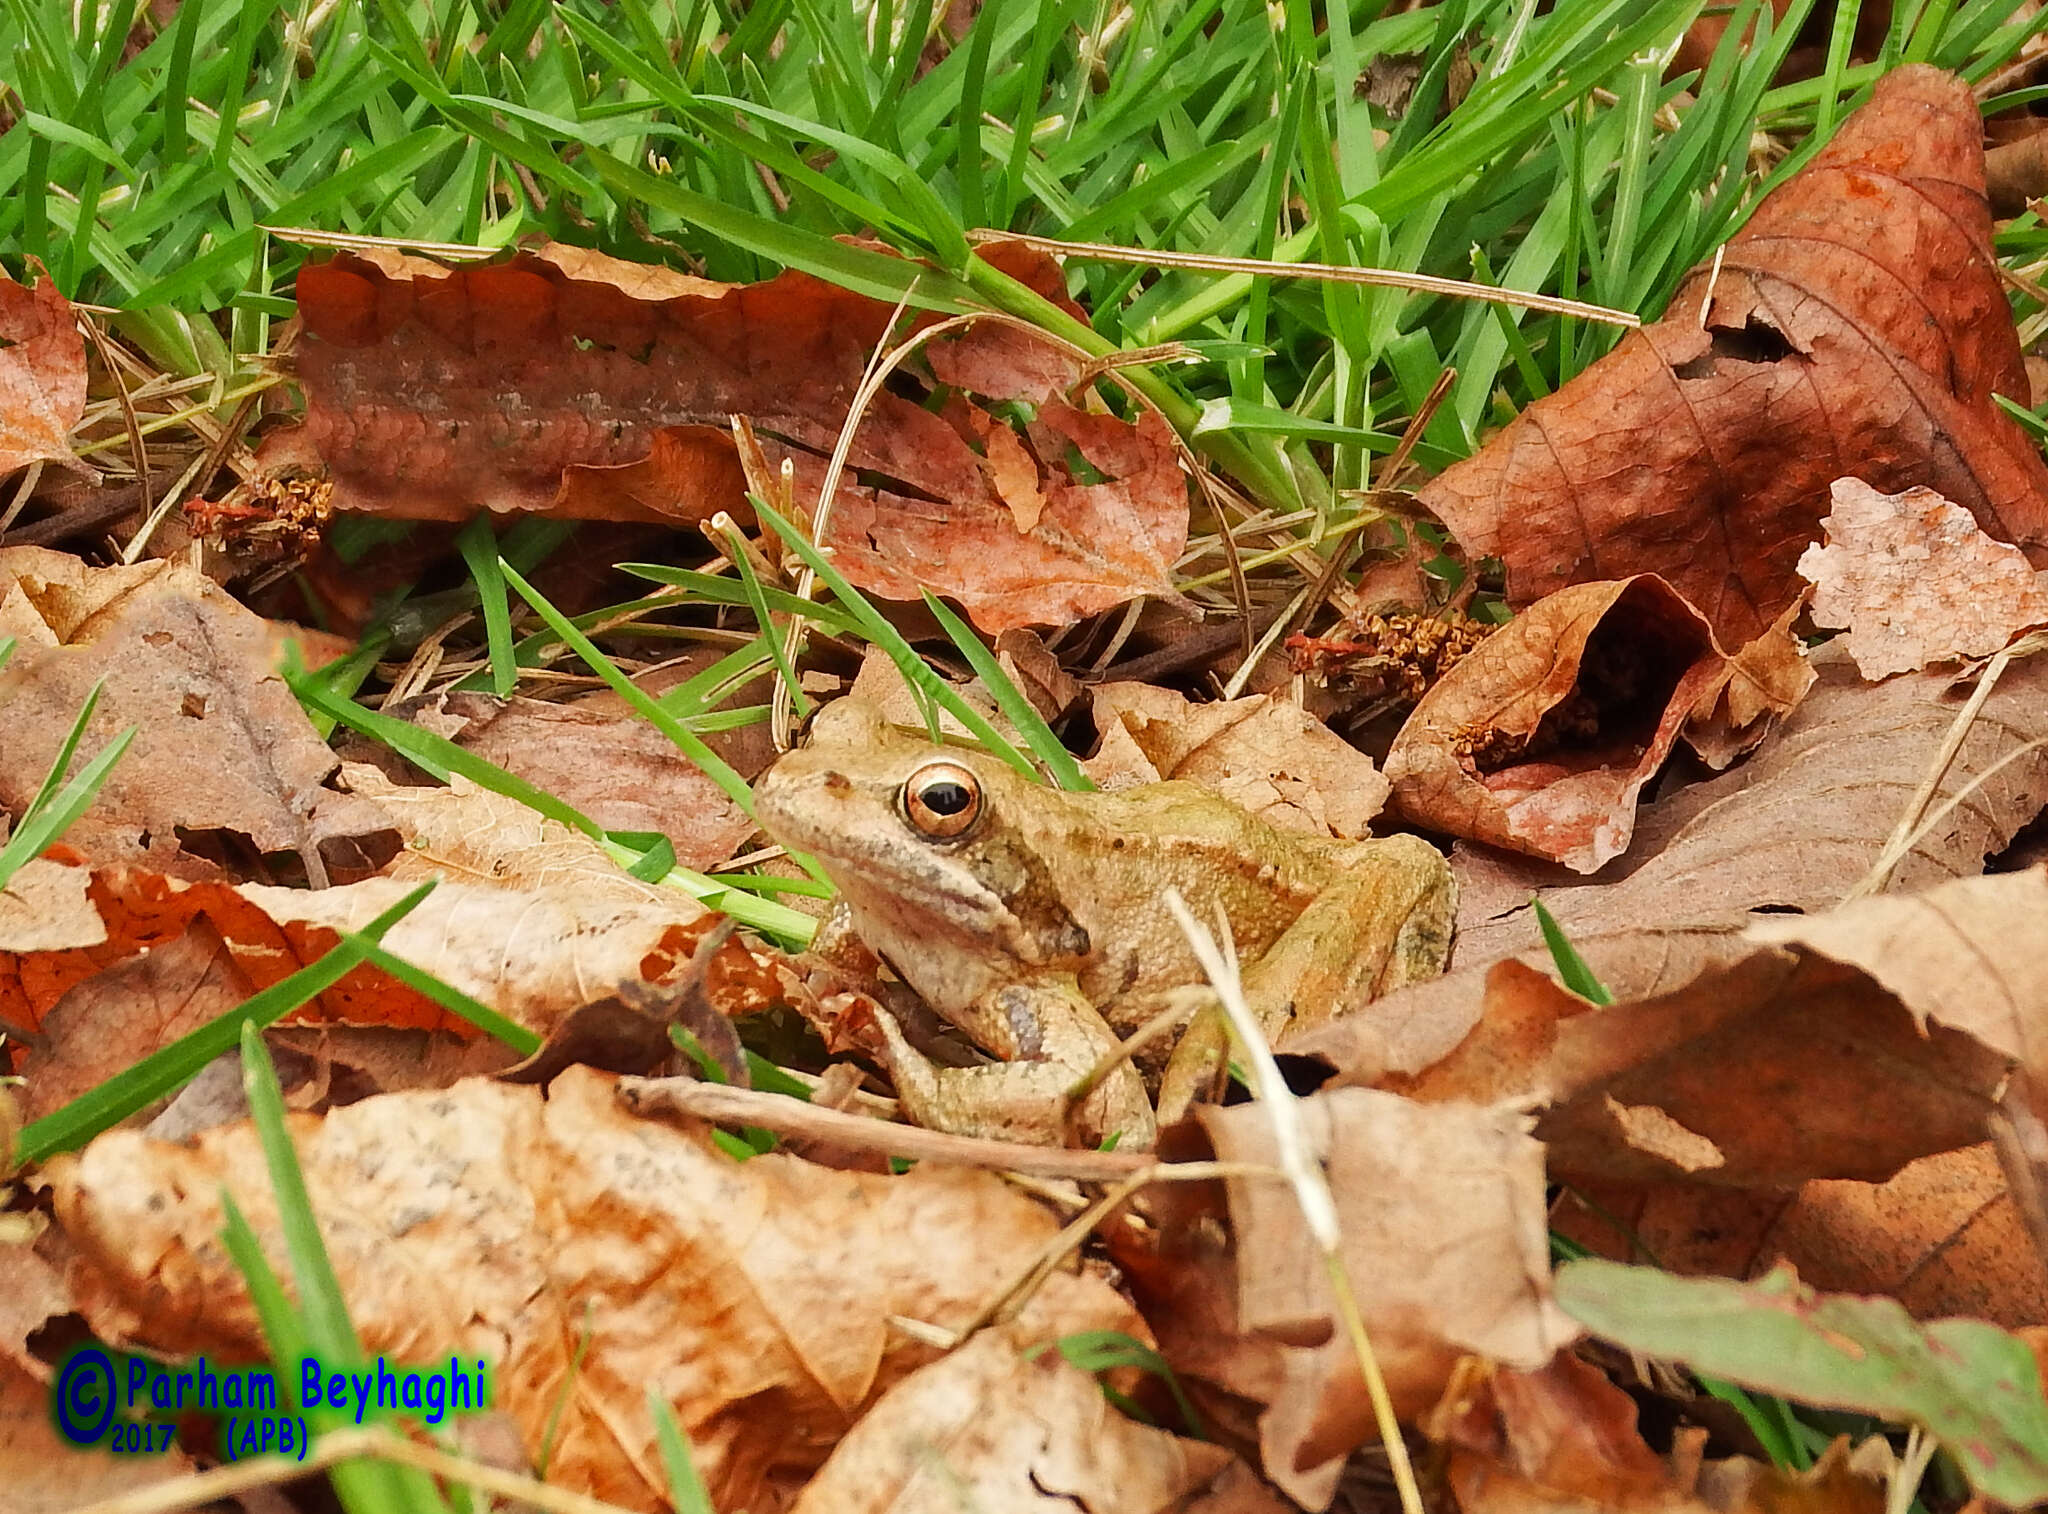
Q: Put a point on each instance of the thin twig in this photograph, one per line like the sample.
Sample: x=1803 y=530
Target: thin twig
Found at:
x=722 y=1104
x=1006 y=1302
x=138 y=449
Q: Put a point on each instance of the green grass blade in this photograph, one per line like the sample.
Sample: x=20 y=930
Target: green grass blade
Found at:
x=876 y=627
x=321 y=1306
x=1020 y=712
x=1571 y=967
x=686 y=1489
x=321 y=1314
x=42 y=827
x=479 y=546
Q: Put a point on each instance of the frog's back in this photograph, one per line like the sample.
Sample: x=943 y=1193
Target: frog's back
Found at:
x=1180 y=835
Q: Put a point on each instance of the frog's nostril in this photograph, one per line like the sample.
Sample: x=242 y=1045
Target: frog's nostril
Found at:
x=837 y=783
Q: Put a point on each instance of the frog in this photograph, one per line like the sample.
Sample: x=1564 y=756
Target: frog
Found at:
x=1033 y=919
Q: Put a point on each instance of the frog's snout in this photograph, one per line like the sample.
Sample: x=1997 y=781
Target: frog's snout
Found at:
x=787 y=795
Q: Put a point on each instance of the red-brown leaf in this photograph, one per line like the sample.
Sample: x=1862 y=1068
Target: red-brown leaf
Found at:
x=568 y=383
x=1856 y=326
x=42 y=373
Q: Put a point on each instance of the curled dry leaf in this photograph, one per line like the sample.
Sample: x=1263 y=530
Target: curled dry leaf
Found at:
x=431 y=391
x=1754 y=688
x=987 y=1427
x=1441 y=1213
x=42 y=373
x=1790 y=832
x=1265 y=754
x=1541 y=737
x=1856 y=325
x=1914 y=581
x=567 y=1242
x=223 y=755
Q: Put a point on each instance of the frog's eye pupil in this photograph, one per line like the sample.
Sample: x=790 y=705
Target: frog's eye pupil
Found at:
x=942 y=800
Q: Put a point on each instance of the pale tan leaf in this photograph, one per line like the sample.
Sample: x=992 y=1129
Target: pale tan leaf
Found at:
x=1914 y=580
x=989 y=1428
x=1441 y=1213
x=1014 y=476
x=563 y=1240
x=47 y=907
x=1263 y=753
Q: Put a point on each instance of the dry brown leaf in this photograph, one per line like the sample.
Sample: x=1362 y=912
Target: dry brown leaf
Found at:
x=531 y=952
x=411 y=371
x=621 y=772
x=1778 y=1067
x=560 y=1238
x=1790 y=832
x=1541 y=737
x=1096 y=545
x=223 y=756
x=1263 y=753
x=1441 y=1213
x=1914 y=581
x=559 y=922
x=113 y=1020
x=1856 y=325
x=1941 y=1235
x=1561 y=1437
x=1841 y=1046
x=1035 y=669
x=45 y=1474
x=42 y=373
x=1756 y=688
x=990 y=1428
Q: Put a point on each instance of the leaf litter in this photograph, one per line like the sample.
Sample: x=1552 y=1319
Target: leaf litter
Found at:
x=1781 y=1074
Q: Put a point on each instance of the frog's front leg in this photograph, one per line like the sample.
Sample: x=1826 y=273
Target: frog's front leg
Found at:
x=1054 y=1037
x=1383 y=924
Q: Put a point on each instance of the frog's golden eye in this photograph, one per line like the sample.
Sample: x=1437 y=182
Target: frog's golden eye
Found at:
x=942 y=800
